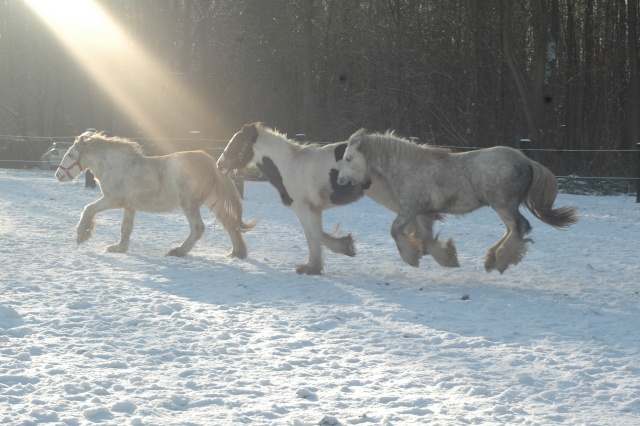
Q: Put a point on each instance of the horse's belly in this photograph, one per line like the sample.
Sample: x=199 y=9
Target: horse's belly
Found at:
x=457 y=202
x=151 y=203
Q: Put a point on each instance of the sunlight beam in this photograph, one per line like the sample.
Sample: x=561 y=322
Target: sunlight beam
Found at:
x=130 y=76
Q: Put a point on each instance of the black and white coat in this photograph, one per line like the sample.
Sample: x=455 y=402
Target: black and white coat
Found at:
x=306 y=178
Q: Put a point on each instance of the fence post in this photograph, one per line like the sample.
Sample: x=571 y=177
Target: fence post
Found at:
x=525 y=144
x=638 y=175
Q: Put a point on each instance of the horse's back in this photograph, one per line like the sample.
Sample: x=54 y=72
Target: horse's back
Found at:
x=163 y=183
x=197 y=163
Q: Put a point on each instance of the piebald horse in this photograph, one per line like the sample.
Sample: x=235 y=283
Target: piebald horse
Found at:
x=428 y=181
x=305 y=176
x=132 y=181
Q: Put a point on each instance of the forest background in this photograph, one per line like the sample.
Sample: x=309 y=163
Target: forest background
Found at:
x=563 y=73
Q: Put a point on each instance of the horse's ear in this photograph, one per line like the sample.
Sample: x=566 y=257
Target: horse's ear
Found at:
x=356 y=138
x=85 y=136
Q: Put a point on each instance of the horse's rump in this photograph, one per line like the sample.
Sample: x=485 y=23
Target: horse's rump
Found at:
x=216 y=190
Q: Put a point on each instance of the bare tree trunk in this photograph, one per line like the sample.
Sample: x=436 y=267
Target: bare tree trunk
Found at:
x=308 y=97
x=634 y=116
x=536 y=133
x=586 y=123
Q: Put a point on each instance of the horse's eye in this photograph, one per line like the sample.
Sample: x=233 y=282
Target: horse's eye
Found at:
x=347 y=159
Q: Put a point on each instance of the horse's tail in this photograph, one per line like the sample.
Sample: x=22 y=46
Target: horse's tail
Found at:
x=541 y=196
x=225 y=202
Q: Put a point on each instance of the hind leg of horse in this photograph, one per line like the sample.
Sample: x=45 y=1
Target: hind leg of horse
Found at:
x=341 y=245
x=125 y=232
x=511 y=248
x=490 y=258
x=86 y=225
x=239 y=249
x=409 y=246
x=445 y=254
x=196 y=225
x=311 y=221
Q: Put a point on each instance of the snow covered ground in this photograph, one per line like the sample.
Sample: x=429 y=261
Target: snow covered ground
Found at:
x=89 y=337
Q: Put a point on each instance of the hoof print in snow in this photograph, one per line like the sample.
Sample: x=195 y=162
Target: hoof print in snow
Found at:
x=307 y=394
x=329 y=421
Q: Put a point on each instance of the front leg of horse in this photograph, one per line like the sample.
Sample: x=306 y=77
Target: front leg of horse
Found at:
x=311 y=221
x=445 y=254
x=196 y=226
x=125 y=232
x=85 y=227
x=409 y=246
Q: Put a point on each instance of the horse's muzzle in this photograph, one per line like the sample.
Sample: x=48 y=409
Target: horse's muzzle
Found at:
x=223 y=165
x=344 y=180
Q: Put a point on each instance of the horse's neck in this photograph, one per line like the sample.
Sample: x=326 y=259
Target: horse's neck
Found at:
x=275 y=147
x=380 y=162
x=107 y=162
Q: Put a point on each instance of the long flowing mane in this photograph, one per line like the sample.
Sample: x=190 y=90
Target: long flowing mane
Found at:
x=99 y=141
x=377 y=147
x=296 y=146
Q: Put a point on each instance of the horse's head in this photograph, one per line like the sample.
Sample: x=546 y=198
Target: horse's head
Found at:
x=70 y=166
x=353 y=166
x=239 y=151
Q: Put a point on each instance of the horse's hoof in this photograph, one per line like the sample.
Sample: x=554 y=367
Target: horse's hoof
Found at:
x=451 y=263
x=411 y=257
x=415 y=263
x=177 y=252
x=83 y=236
x=351 y=248
x=306 y=269
x=490 y=262
x=117 y=248
x=239 y=254
x=445 y=255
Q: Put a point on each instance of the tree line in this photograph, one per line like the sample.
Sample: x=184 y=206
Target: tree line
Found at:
x=563 y=73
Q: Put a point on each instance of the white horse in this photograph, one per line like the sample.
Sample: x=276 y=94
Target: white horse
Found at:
x=430 y=181
x=132 y=181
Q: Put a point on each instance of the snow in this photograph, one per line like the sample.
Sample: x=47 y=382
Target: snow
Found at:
x=90 y=337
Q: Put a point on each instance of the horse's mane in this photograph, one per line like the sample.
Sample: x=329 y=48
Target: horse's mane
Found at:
x=263 y=128
x=295 y=146
x=126 y=146
x=383 y=146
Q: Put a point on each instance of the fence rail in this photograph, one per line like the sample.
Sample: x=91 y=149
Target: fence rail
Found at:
x=26 y=152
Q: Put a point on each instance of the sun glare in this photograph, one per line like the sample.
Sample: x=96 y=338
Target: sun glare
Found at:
x=81 y=25
x=111 y=58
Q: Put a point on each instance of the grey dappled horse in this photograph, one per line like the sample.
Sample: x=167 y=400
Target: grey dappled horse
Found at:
x=428 y=181
x=132 y=181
